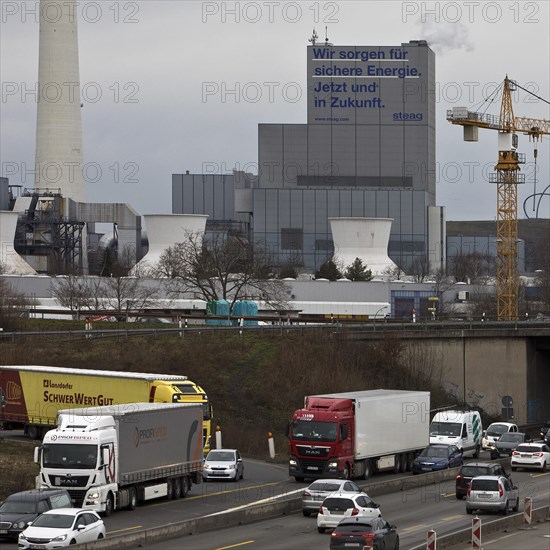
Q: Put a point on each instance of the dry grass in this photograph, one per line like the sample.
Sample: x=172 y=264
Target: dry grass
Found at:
x=17 y=466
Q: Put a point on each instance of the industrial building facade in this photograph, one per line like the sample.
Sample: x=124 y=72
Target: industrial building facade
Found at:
x=367 y=150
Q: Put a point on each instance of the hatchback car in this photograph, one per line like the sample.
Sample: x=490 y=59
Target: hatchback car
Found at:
x=493 y=433
x=437 y=457
x=62 y=527
x=358 y=532
x=545 y=429
x=21 y=508
x=507 y=443
x=473 y=469
x=531 y=455
x=492 y=494
x=223 y=464
x=338 y=506
x=313 y=496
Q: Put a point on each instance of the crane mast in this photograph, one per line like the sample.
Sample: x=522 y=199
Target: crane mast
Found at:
x=507 y=178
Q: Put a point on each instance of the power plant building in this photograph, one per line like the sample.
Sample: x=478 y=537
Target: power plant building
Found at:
x=366 y=151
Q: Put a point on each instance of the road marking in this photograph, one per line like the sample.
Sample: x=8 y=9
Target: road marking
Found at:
x=235 y=545
x=541 y=474
x=499 y=539
x=125 y=529
x=431 y=525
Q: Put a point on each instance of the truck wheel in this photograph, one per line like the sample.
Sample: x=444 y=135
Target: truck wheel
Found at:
x=109 y=505
x=469 y=511
x=403 y=468
x=476 y=453
x=170 y=489
x=321 y=529
x=34 y=431
x=410 y=460
x=516 y=507
x=345 y=472
x=299 y=479
x=177 y=487
x=132 y=504
x=185 y=486
x=368 y=468
x=306 y=513
x=397 y=467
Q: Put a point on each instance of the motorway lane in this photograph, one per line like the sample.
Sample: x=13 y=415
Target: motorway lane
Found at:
x=414 y=512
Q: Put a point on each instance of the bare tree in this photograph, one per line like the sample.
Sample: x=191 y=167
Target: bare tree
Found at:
x=420 y=268
x=394 y=273
x=72 y=292
x=473 y=267
x=221 y=266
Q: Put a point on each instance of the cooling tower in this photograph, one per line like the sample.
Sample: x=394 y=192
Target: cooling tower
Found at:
x=59 y=157
x=164 y=230
x=9 y=258
x=363 y=238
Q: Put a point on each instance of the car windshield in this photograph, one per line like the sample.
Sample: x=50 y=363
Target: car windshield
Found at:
x=325 y=487
x=472 y=471
x=358 y=528
x=529 y=449
x=450 y=429
x=59 y=521
x=221 y=456
x=434 y=452
x=17 y=507
x=484 y=484
x=497 y=429
x=340 y=504
x=309 y=430
x=511 y=438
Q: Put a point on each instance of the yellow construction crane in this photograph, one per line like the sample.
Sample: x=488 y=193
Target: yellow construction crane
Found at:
x=507 y=178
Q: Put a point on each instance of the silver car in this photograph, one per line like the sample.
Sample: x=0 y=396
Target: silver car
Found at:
x=313 y=496
x=223 y=464
x=492 y=494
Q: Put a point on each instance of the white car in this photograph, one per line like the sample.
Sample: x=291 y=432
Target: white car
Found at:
x=531 y=455
x=223 y=464
x=338 y=506
x=492 y=434
x=62 y=527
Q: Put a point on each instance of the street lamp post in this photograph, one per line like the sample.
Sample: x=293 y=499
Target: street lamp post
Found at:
x=382 y=308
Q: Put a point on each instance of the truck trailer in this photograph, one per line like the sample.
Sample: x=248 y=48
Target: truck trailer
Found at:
x=114 y=456
x=354 y=434
x=31 y=396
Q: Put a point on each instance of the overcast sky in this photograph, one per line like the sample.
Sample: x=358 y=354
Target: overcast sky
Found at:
x=153 y=75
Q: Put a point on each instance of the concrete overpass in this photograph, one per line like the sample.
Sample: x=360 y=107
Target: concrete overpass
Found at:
x=502 y=367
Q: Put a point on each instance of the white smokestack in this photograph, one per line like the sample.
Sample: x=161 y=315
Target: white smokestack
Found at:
x=59 y=157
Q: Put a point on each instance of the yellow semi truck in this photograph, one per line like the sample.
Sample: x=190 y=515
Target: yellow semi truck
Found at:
x=30 y=396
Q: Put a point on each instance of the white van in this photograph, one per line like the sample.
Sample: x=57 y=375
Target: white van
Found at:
x=460 y=428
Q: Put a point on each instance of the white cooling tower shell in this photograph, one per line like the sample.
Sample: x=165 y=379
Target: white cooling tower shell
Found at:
x=164 y=230
x=10 y=259
x=363 y=238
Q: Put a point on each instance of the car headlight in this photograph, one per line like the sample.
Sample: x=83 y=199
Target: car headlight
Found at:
x=20 y=525
x=22 y=536
x=93 y=495
x=333 y=464
x=60 y=538
x=292 y=462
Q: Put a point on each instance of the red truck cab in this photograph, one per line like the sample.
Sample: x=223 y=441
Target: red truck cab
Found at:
x=321 y=439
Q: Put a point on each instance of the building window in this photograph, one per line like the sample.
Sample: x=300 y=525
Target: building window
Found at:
x=292 y=238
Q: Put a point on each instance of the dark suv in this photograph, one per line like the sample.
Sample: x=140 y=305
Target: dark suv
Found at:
x=474 y=469
x=20 y=508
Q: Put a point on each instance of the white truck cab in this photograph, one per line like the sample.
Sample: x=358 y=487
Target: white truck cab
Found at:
x=460 y=428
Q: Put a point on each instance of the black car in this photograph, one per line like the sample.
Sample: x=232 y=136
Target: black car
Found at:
x=545 y=429
x=363 y=532
x=20 y=508
x=474 y=469
x=507 y=443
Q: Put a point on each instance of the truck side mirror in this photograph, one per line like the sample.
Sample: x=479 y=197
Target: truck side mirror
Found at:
x=37 y=454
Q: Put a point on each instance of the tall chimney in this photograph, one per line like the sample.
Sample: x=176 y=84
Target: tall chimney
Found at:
x=59 y=158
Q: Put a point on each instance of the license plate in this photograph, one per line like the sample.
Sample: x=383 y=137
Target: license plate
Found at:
x=37 y=547
x=485 y=497
x=426 y=469
x=3 y=531
x=337 y=513
x=312 y=467
x=355 y=544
